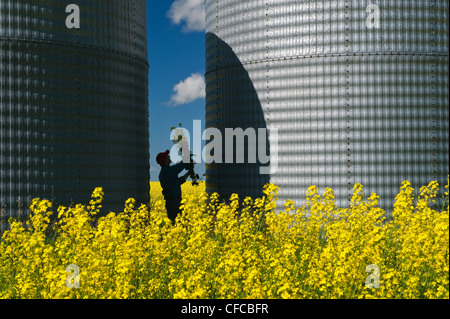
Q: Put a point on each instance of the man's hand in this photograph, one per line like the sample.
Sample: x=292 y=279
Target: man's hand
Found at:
x=185 y=176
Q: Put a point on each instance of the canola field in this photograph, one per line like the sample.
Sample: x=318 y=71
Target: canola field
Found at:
x=245 y=248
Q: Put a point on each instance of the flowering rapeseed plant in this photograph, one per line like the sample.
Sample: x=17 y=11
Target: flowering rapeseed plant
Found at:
x=243 y=248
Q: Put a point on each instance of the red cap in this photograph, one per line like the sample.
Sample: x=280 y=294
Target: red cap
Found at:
x=161 y=157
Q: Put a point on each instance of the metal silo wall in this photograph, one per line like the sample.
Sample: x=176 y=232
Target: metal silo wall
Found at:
x=74 y=103
x=352 y=104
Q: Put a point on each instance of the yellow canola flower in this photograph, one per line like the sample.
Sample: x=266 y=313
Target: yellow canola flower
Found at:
x=232 y=248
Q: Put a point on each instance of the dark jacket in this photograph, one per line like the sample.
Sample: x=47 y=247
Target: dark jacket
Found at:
x=170 y=182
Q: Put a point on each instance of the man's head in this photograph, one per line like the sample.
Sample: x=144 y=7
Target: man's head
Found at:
x=163 y=158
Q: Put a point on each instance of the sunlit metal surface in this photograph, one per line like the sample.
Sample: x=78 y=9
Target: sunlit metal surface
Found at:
x=353 y=103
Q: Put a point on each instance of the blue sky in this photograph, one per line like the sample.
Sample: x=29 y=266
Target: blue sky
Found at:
x=176 y=44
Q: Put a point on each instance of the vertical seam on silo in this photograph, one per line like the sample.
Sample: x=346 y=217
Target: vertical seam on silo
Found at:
x=78 y=115
x=17 y=132
x=27 y=151
x=324 y=112
x=136 y=114
x=433 y=88
x=216 y=67
x=316 y=68
x=1 y=132
x=11 y=123
x=267 y=69
x=347 y=91
x=2 y=213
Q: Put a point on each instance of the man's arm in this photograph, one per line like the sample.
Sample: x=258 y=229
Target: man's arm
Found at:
x=183 y=178
x=179 y=167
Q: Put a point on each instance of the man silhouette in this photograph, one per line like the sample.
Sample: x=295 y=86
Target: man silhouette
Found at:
x=171 y=183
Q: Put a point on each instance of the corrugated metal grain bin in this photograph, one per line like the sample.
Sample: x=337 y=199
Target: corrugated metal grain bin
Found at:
x=352 y=102
x=73 y=102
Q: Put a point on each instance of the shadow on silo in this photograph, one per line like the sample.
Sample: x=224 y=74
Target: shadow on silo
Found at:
x=232 y=102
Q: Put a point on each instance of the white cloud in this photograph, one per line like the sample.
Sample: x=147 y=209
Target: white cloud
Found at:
x=192 y=12
x=189 y=90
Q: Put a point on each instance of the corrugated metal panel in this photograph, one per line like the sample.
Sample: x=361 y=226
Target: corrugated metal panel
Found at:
x=74 y=102
x=352 y=104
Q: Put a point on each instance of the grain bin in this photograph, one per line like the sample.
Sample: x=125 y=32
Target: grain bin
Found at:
x=73 y=102
x=354 y=101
